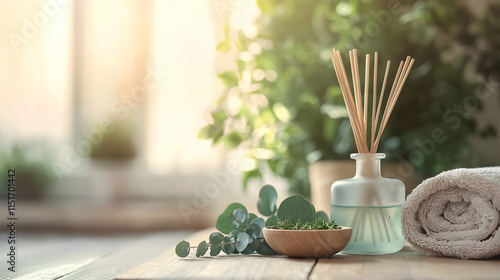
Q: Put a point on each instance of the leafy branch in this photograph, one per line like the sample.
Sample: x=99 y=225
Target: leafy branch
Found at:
x=242 y=232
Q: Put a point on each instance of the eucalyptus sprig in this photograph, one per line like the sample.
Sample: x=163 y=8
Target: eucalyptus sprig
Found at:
x=242 y=232
x=245 y=236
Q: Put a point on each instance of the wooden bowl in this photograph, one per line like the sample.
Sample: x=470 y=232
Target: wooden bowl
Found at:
x=307 y=243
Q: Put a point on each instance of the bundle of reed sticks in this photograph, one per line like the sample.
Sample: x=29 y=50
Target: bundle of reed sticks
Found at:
x=357 y=102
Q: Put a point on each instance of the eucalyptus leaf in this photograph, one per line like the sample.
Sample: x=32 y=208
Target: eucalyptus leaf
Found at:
x=295 y=208
x=272 y=221
x=216 y=237
x=256 y=230
x=250 y=232
x=251 y=217
x=241 y=228
x=261 y=223
x=182 y=249
x=267 y=200
x=239 y=216
x=265 y=249
x=224 y=224
x=228 y=246
x=251 y=247
x=215 y=243
x=233 y=234
x=202 y=249
x=215 y=249
x=242 y=241
x=322 y=215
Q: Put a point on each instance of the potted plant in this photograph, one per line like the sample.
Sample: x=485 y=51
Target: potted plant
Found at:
x=117 y=145
x=31 y=161
x=112 y=158
x=283 y=106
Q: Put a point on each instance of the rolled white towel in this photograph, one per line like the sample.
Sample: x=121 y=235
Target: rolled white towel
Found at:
x=455 y=214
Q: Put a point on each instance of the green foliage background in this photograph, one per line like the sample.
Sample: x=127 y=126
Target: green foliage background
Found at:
x=286 y=123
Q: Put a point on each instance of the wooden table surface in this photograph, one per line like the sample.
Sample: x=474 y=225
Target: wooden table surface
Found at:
x=152 y=256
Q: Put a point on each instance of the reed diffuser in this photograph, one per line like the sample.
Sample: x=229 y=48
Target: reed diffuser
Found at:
x=368 y=202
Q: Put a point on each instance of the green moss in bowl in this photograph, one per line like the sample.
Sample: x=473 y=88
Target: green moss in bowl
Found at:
x=315 y=239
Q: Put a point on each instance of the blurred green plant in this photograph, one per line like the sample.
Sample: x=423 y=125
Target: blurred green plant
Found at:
x=486 y=39
x=117 y=144
x=31 y=160
x=283 y=106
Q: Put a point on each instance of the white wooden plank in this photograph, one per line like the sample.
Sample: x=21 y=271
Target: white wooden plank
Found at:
x=406 y=264
x=169 y=266
x=39 y=252
x=53 y=272
x=361 y=267
x=78 y=257
x=422 y=267
x=125 y=257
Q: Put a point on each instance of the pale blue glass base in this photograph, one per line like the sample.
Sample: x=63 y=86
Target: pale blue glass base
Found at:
x=375 y=230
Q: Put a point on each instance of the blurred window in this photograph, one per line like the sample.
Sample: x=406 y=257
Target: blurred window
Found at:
x=72 y=71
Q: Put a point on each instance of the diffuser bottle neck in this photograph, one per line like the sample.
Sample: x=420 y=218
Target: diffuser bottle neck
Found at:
x=368 y=165
x=368 y=188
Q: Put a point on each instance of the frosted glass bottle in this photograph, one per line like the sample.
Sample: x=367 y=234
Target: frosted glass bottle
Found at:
x=371 y=205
